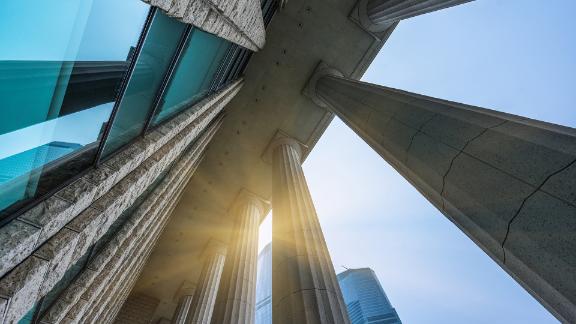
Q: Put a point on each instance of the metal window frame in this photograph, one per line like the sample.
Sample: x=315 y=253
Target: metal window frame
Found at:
x=159 y=98
x=222 y=77
x=125 y=81
x=4 y=220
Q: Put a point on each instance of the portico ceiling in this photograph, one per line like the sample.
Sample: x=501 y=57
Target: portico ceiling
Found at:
x=301 y=35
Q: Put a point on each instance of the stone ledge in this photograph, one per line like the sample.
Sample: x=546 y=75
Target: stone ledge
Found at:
x=55 y=212
x=91 y=282
x=61 y=253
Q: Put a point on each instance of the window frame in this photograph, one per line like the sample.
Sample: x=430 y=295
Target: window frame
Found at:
x=231 y=67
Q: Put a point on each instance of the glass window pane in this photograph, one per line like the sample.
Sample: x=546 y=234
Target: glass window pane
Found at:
x=58 y=80
x=157 y=52
x=193 y=75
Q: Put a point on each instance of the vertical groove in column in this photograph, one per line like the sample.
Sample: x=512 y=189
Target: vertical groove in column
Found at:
x=185 y=296
x=389 y=11
x=237 y=294
x=183 y=309
x=304 y=288
x=205 y=296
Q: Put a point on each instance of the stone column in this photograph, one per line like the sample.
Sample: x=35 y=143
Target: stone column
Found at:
x=378 y=15
x=184 y=296
x=237 y=294
x=304 y=285
x=508 y=182
x=205 y=295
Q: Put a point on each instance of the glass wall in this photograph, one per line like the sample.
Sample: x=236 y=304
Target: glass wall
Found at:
x=86 y=78
x=152 y=64
x=193 y=75
x=59 y=77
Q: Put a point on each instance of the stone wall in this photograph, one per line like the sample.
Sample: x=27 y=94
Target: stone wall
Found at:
x=239 y=21
x=42 y=244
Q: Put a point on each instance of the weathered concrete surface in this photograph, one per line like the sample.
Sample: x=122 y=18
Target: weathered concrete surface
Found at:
x=506 y=181
x=236 y=301
x=239 y=21
x=304 y=285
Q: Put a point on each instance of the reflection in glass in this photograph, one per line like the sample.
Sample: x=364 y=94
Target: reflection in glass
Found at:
x=157 y=52
x=193 y=75
x=58 y=79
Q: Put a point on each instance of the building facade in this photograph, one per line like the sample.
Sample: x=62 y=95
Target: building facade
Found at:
x=142 y=141
x=264 y=286
x=365 y=299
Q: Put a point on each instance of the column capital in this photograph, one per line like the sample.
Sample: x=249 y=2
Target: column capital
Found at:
x=359 y=15
x=321 y=70
x=214 y=246
x=246 y=196
x=187 y=288
x=281 y=138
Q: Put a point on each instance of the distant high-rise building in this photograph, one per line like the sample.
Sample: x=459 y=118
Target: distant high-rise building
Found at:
x=365 y=299
x=264 y=286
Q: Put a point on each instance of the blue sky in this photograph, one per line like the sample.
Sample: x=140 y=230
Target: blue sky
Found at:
x=517 y=56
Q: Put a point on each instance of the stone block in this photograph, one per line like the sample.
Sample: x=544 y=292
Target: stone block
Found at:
x=55 y=314
x=18 y=241
x=529 y=158
x=541 y=251
x=103 y=178
x=482 y=200
x=80 y=194
x=57 y=251
x=50 y=215
x=77 y=310
x=21 y=287
x=88 y=224
x=123 y=162
x=3 y=306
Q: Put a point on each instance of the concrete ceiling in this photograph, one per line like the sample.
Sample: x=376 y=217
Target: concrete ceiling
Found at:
x=301 y=35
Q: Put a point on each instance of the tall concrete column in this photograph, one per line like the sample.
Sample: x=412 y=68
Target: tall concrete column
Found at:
x=185 y=296
x=237 y=294
x=304 y=285
x=508 y=182
x=378 y=15
x=207 y=288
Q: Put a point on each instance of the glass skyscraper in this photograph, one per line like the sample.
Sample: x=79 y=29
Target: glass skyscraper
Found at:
x=365 y=299
x=264 y=286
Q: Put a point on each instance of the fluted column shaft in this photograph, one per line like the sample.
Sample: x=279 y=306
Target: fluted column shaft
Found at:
x=237 y=294
x=304 y=285
x=183 y=309
x=185 y=296
x=376 y=15
x=207 y=289
x=508 y=182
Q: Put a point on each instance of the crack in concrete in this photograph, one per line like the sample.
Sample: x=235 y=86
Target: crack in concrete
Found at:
x=524 y=202
x=458 y=154
x=418 y=131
